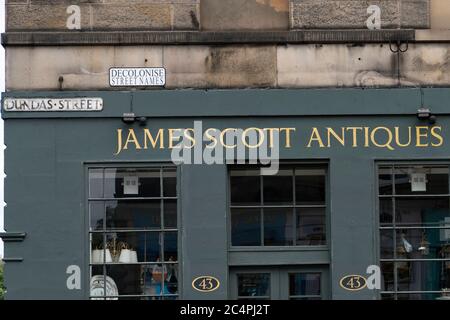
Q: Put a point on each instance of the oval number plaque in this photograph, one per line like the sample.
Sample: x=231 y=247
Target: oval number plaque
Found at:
x=353 y=282
x=205 y=283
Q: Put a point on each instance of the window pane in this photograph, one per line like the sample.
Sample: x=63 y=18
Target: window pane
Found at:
x=126 y=247
x=436 y=180
x=156 y=279
x=423 y=243
x=98 y=254
x=127 y=278
x=385 y=181
x=120 y=183
x=278 y=188
x=254 y=285
x=387 y=244
x=96 y=215
x=133 y=214
x=152 y=248
x=170 y=246
x=422 y=276
x=245 y=227
x=310 y=186
x=278 y=227
x=386 y=212
x=170 y=213
x=170 y=183
x=422 y=212
x=304 y=284
x=245 y=187
x=311 y=226
x=97 y=284
x=387 y=276
x=95 y=183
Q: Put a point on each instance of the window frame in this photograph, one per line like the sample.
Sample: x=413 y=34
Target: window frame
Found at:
x=86 y=223
x=291 y=165
x=393 y=164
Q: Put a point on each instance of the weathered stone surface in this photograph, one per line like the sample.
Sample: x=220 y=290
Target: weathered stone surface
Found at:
x=186 y=16
x=336 y=65
x=353 y=13
x=440 y=13
x=244 y=14
x=98 y=15
x=41 y=17
x=138 y=16
x=80 y=67
x=426 y=64
x=220 y=66
x=238 y=66
x=415 y=14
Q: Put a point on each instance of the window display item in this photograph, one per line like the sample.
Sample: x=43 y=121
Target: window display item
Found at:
x=424 y=245
x=98 y=287
x=127 y=255
x=101 y=256
x=408 y=247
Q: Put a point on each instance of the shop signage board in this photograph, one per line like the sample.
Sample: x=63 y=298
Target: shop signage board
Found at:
x=137 y=77
x=52 y=104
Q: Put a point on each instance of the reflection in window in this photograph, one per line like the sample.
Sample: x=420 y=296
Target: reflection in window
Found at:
x=133 y=233
x=253 y=286
x=285 y=209
x=304 y=286
x=414 y=232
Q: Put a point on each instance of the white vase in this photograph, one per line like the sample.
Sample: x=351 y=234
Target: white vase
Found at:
x=134 y=258
x=96 y=256
x=125 y=256
x=104 y=256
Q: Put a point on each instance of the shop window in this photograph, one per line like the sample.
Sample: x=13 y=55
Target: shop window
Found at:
x=133 y=233
x=286 y=209
x=414 y=235
x=304 y=286
x=253 y=286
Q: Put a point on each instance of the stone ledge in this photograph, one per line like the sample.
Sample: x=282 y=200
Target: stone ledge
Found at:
x=195 y=37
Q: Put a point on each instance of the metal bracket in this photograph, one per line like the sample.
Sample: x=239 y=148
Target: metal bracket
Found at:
x=12 y=259
x=12 y=236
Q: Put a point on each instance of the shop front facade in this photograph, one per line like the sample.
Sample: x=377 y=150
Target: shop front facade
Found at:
x=99 y=205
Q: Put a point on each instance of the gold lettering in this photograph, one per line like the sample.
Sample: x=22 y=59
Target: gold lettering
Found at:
x=397 y=137
x=420 y=135
x=271 y=131
x=366 y=137
x=315 y=136
x=132 y=138
x=260 y=136
x=389 y=141
x=288 y=136
x=438 y=136
x=119 y=141
x=354 y=134
x=190 y=137
x=211 y=138
x=331 y=132
x=173 y=136
x=222 y=142
x=148 y=136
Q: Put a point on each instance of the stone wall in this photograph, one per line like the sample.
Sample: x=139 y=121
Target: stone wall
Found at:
x=325 y=14
x=28 y=15
x=232 y=66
